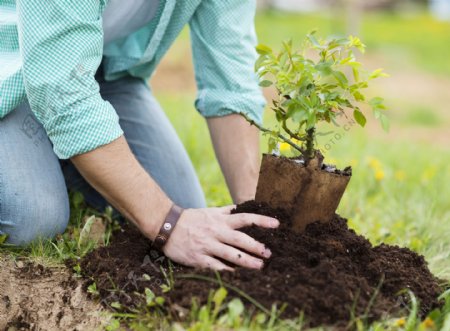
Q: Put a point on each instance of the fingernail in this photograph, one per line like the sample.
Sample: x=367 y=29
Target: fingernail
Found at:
x=259 y=264
x=275 y=223
x=267 y=253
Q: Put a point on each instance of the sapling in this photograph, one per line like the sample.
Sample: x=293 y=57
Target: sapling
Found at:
x=317 y=83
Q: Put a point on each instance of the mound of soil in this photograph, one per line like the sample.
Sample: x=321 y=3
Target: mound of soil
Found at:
x=35 y=297
x=328 y=272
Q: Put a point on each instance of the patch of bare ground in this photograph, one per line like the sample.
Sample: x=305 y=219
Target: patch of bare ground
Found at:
x=34 y=297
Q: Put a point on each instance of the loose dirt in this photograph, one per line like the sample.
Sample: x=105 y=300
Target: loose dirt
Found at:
x=34 y=297
x=328 y=272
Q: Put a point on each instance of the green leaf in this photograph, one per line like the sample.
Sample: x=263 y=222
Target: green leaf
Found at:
x=288 y=45
x=263 y=49
x=355 y=74
x=337 y=43
x=261 y=318
x=265 y=83
x=384 y=122
x=376 y=113
x=113 y=325
x=324 y=68
x=312 y=38
x=3 y=238
x=378 y=73
x=356 y=42
x=235 y=307
x=160 y=301
x=312 y=120
x=116 y=305
x=85 y=231
x=340 y=77
x=359 y=117
x=77 y=269
x=358 y=96
x=219 y=296
x=259 y=63
x=149 y=297
x=272 y=144
x=377 y=103
x=92 y=289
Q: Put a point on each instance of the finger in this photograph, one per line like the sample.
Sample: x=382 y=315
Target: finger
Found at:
x=209 y=262
x=227 y=209
x=243 y=241
x=237 y=257
x=242 y=220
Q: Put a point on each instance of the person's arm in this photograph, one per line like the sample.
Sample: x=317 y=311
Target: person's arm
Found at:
x=61 y=47
x=223 y=44
x=201 y=237
x=236 y=144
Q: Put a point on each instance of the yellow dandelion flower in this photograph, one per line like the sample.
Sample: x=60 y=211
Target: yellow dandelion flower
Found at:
x=428 y=323
x=428 y=174
x=374 y=163
x=285 y=147
x=400 y=322
x=379 y=174
x=400 y=175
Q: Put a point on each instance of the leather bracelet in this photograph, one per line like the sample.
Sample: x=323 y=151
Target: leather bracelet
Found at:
x=166 y=229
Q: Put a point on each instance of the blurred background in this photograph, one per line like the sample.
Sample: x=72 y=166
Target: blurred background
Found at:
x=400 y=191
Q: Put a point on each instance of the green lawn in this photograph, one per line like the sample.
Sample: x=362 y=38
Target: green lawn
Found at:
x=407 y=37
x=400 y=190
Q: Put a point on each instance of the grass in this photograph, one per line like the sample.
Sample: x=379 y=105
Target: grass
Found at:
x=398 y=194
x=407 y=37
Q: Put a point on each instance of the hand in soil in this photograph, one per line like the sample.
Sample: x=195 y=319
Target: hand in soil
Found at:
x=204 y=237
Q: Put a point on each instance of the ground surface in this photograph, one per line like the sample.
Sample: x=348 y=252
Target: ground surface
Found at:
x=34 y=297
x=329 y=272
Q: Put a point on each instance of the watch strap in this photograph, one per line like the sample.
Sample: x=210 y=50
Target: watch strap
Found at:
x=169 y=224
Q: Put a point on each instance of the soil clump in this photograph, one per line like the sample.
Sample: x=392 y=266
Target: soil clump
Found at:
x=329 y=272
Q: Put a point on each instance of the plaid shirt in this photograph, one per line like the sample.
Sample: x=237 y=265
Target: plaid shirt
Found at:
x=51 y=50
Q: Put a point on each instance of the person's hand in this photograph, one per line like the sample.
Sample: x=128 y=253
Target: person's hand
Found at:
x=203 y=236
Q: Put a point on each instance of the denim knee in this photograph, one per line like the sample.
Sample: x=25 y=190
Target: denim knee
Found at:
x=26 y=219
x=33 y=195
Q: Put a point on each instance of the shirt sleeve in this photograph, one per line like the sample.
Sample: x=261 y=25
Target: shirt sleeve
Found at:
x=223 y=43
x=61 y=45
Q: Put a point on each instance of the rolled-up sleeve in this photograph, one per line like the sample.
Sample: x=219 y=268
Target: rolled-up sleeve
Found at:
x=223 y=43
x=61 y=45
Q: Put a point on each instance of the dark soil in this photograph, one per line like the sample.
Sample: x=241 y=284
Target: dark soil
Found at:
x=328 y=272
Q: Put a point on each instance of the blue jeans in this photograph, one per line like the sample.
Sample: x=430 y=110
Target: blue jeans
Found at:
x=33 y=182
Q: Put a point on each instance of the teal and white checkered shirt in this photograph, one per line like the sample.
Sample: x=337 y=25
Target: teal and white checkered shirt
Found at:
x=51 y=50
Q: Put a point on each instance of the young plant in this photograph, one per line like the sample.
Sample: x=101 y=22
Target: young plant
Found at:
x=317 y=83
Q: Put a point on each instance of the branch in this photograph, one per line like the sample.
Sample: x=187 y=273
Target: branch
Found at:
x=279 y=135
x=289 y=132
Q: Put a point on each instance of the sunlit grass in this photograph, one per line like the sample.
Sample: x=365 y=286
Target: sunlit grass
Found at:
x=409 y=39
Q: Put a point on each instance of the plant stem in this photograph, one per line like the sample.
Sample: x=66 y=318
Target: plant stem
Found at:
x=309 y=152
x=289 y=132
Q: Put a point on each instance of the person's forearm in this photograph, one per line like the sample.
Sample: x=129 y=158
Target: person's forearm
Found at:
x=116 y=174
x=236 y=144
x=202 y=238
